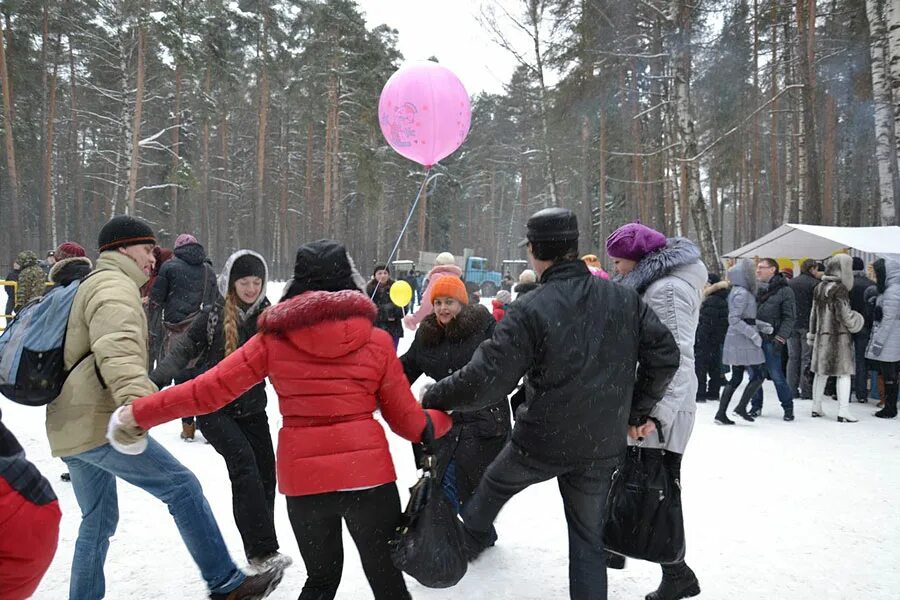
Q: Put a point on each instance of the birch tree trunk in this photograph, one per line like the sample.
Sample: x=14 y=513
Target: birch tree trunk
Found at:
x=16 y=222
x=892 y=17
x=262 y=121
x=75 y=156
x=602 y=185
x=535 y=14
x=136 y=127
x=792 y=137
x=48 y=206
x=682 y=12
x=176 y=156
x=885 y=148
x=204 y=228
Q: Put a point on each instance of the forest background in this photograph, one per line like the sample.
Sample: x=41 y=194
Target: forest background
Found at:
x=253 y=123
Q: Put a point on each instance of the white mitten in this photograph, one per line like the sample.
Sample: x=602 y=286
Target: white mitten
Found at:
x=123 y=438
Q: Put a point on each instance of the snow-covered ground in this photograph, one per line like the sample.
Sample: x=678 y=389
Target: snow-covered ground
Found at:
x=775 y=511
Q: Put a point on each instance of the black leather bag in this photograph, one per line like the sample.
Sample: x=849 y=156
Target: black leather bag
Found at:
x=428 y=542
x=644 y=515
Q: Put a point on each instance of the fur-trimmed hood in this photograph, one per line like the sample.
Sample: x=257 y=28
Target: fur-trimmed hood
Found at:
x=444 y=270
x=225 y=277
x=327 y=324
x=840 y=268
x=471 y=320
x=678 y=252
x=69 y=269
x=743 y=275
x=717 y=288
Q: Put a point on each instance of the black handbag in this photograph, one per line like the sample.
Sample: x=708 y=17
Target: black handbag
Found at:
x=644 y=516
x=428 y=542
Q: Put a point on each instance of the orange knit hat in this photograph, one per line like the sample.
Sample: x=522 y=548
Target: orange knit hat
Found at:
x=449 y=287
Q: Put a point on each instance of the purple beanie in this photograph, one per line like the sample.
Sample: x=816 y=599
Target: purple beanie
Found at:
x=184 y=239
x=634 y=241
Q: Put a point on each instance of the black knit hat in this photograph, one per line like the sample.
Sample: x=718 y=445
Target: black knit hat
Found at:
x=858 y=264
x=380 y=268
x=323 y=266
x=122 y=231
x=247 y=265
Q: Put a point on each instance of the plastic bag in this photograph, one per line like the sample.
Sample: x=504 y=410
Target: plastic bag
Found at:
x=428 y=542
x=644 y=515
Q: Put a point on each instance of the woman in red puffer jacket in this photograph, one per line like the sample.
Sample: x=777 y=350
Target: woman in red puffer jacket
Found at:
x=331 y=369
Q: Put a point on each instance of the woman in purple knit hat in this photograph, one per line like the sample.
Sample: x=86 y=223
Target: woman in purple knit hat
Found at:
x=669 y=276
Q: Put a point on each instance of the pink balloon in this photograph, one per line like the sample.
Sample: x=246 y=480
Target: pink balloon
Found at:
x=424 y=112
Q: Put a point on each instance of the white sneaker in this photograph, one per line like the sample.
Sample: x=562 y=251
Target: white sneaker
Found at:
x=276 y=560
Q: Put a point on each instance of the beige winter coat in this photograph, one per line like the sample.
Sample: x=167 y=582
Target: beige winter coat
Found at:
x=107 y=321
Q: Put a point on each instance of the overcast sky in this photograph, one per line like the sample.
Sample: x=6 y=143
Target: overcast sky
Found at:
x=450 y=31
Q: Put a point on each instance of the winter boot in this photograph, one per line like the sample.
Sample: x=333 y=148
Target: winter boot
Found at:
x=789 y=414
x=890 y=401
x=254 y=587
x=678 y=581
x=721 y=416
x=741 y=409
x=187 y=431
x=278 y=560
x=844 y=415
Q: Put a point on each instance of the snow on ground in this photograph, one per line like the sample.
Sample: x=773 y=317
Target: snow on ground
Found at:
x=774 y=510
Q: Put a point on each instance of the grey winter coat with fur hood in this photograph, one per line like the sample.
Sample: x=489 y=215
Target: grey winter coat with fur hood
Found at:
x=743 y=344
x=832 y=322
x=884 y=344
x=671 y=282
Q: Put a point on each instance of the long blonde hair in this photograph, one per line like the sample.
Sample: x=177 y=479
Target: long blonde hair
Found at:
x=230 y=321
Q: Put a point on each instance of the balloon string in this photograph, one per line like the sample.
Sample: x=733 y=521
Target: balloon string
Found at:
x=406 y=223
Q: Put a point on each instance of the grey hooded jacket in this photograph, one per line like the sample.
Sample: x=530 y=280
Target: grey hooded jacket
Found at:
x=671 y=282
x=743 y=344
x=884 y=344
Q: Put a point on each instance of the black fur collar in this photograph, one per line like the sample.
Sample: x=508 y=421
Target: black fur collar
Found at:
x=470 y=321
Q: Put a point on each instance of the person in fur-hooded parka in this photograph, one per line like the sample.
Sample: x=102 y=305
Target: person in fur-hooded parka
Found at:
x=669 y=276
x=832 y=324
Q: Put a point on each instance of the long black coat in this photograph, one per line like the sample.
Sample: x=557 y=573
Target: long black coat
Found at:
x=713 y=324
x=861 y=284
x=804 y=288
x=179 y=291
x=206 y=338
x=390 y=316
x=477 y=436
x=580 y=340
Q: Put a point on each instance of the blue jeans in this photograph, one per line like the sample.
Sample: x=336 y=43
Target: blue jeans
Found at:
x=448 y=484
x=155 y=471
x=772 y=352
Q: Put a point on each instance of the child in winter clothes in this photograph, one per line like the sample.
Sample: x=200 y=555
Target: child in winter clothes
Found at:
x=332 y=369
x=444 y=266
x=500 y=302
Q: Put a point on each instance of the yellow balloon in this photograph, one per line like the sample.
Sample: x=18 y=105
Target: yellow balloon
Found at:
x=401 y=293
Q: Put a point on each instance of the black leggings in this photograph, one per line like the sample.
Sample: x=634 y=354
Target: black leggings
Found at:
x=737 y=374
x=246 y=446
x=371 y=517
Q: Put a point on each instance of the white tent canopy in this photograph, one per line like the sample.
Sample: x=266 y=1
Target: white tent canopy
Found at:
x=818 y=241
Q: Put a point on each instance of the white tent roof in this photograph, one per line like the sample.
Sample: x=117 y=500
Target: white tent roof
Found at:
x=818 y=241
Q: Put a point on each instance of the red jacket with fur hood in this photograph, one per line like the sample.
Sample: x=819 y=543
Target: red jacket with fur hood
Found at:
x=331 y=369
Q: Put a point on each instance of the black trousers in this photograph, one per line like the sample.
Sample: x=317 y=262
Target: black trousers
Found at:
x=708 y=364
x=371 y=517
x=861 y=379
x=246 y=446
x=583 y=488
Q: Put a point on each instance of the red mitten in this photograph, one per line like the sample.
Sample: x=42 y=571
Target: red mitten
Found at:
x=441 y=421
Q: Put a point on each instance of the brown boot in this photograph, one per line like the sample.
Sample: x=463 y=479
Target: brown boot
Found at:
x=187 y=431
x=254 y=587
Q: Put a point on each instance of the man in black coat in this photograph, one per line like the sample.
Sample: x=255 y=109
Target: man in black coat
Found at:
x=799 y=351
x=777 y=307
x=710 y=338
x=185 y=285
x=861 y=283
x=580 y=340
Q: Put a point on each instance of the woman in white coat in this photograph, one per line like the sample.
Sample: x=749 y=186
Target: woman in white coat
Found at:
x=670 y=277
